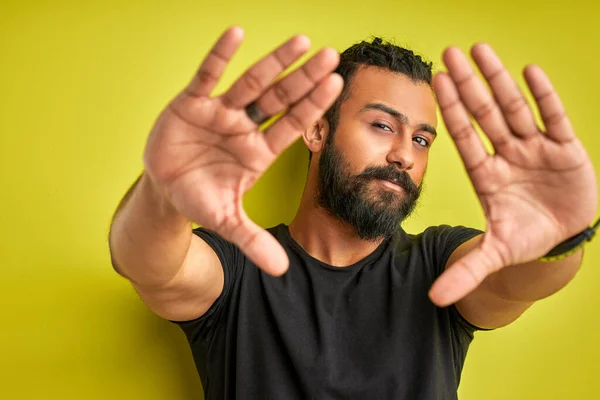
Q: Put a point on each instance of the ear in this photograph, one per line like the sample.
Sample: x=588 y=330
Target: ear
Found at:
x=315 y=136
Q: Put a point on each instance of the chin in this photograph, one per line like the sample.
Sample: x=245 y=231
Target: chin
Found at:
x=387 y=197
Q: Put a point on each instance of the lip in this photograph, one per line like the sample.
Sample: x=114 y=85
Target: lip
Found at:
x=391 y=186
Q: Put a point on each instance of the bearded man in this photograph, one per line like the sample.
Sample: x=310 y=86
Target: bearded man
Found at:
x=343 y=303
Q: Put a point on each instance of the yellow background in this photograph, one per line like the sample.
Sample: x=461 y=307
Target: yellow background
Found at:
x=80 y=86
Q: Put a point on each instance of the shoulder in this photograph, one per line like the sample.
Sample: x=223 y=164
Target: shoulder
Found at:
x=441 y=236
x=436 y=244
x=229 y=252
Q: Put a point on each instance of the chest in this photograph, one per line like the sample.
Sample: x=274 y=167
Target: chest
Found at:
x=345 y=332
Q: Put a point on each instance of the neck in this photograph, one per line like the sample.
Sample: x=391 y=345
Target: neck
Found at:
x=326 y=237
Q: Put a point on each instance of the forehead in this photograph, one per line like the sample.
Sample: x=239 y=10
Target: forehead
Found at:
x=376 y=85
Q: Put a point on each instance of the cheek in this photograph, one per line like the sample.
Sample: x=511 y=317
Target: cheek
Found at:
x=361 y=150
x=417 y=173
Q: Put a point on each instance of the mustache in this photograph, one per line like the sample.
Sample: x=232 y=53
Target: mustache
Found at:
x=390 y=173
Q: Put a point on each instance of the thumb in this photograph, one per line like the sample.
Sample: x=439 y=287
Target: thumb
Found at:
x=259 y=246
x=462 y=277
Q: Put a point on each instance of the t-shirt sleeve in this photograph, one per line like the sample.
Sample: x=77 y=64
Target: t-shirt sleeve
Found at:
x=444 y=240
x=232 y=262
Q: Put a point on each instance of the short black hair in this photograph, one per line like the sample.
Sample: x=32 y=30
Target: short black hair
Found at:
x=378 y=53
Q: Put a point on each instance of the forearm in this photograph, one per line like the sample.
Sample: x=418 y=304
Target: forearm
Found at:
x=535 y=280
x=148 y=238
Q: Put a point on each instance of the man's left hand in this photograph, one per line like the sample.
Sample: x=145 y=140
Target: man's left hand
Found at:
x=537 y=189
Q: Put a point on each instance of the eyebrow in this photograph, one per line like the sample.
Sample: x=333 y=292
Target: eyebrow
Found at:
x=403 y=119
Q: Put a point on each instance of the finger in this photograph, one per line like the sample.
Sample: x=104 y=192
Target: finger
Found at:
x=476 y=97
x=514 y=107
x=462 y=278
x=257 y=244
x=553 y=113
x=456 y=118
x=304 y=114
x=214 y=64
x=260 y=76
x=294 y=86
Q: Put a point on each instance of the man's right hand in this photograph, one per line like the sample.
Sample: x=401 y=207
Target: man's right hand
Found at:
x=204 y=152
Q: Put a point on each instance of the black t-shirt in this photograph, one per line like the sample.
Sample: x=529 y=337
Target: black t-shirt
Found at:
x=365 y=331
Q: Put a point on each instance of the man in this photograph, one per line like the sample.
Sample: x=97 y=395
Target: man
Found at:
x=343 y=303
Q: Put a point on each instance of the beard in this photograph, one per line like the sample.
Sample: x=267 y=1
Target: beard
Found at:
x=360 y=201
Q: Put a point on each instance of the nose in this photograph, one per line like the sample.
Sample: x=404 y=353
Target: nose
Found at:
x=401 y=153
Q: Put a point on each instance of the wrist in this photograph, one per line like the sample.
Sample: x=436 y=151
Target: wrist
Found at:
x=155 y=198
x=571 y=245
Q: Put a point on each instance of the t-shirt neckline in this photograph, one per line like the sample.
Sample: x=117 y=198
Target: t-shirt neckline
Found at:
x=284 y=229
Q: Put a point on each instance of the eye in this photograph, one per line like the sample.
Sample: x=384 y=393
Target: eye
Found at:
x=421 y=141
x=379 y=125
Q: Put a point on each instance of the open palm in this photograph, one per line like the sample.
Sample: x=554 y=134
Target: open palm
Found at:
x=205 y=152
x=538 y=189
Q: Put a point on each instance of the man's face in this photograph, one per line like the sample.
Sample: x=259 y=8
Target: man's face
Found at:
x=370 y=174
